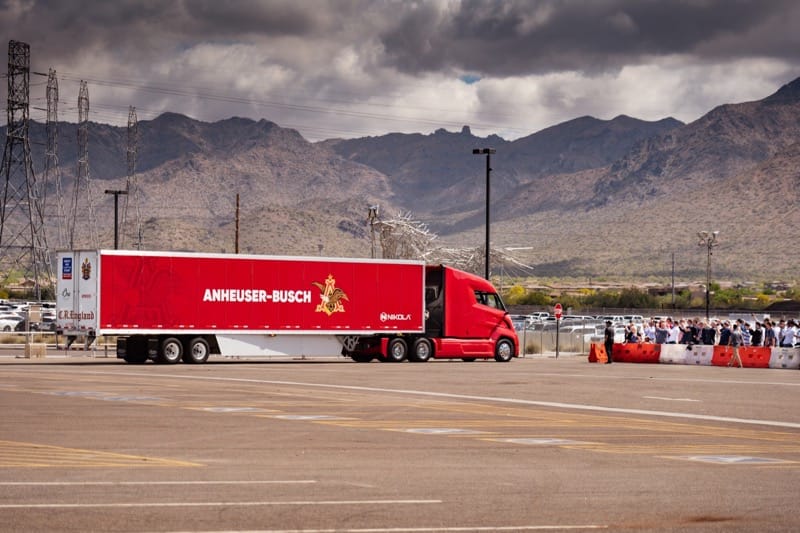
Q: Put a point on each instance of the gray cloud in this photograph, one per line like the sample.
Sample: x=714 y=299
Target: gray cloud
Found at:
x=357 y=67
x=507 y=38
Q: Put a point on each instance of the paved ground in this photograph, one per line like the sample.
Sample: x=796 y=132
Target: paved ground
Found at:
x=93 y=444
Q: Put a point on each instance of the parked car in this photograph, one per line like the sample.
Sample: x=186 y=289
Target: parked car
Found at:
x=615 y=319
x=600 y=335
x=579 y=318
x=539 y=316
x=519 y=321
x=578 y=329
x=9 y=321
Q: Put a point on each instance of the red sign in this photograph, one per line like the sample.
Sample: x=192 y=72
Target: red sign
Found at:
x=217 y=292
x=557 y=311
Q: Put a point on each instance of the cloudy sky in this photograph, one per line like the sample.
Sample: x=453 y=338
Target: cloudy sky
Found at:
x=352 y=68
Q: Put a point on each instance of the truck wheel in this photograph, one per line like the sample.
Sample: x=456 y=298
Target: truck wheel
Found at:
x=361 y=358
x=503 y=350
x=197 y=352
x=135 y=350
x=171 y=351
x=422 y=351
x=397 y=350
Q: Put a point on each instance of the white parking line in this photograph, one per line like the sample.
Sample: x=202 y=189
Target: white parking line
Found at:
x=514 y=401
x=550 y=527
x=127 y=483
x=669 y=399
x=209 y=504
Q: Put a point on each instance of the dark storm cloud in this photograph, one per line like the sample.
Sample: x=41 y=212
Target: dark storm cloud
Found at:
x=493 y=37
x=130 y=28
x=353 y=67
x=525 y=37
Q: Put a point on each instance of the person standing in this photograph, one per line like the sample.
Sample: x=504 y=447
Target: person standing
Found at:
x=650 y=330
x=661 y=333
x=708 y=334
x=787 y=334
x=747 y=334
x=769 y=334
x=609 y=341
x=778 y=329
x=757 y=335
x=735 y=341
x=725 y=334
x=674 y=331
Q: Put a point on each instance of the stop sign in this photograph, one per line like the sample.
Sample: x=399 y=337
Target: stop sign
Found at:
x=557 y=311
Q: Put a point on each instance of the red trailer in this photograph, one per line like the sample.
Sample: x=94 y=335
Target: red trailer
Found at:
x=186 y=306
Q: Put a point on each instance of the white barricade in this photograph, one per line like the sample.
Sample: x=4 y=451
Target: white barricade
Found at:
x=785 y=358
x=699 y=354
x=673 y=354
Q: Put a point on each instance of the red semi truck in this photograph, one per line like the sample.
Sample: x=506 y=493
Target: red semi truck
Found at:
x=175 y=306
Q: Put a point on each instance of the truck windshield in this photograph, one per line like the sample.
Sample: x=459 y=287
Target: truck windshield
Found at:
x=490 y=299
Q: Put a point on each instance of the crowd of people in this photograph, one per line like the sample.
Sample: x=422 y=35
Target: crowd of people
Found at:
x=769 y=333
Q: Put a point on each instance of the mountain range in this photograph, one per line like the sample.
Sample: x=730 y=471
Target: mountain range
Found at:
x=587 y=198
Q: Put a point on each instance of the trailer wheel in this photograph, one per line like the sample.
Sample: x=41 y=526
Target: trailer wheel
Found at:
x=135 y=358
x=422 y=351
x=361 y=358
x=197 y=352
x=397 y=350
x=170 y=351
x=135 y=350
x=503 y=351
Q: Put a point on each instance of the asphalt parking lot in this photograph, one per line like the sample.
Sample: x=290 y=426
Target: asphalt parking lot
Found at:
x=93 y=444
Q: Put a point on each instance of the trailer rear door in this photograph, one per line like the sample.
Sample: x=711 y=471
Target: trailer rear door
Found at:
x=76 y=293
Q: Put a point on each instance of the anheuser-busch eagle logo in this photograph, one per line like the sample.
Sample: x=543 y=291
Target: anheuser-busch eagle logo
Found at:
x=331 y=296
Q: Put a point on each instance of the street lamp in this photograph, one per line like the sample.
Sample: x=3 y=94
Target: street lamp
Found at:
x=116 y=194
x=709 y=240
x=488 y=152
x=372 y=216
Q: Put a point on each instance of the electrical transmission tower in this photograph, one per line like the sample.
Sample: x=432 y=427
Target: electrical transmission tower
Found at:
x=23 y=246
x=83 y=182
x=52 y=173
x=132 y=184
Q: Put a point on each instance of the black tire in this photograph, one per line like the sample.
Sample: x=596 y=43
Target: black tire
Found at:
x=135 y=350
x=422 y=350
x=468 y=359
x=197 y=351
x=136 y=358
x=503 y=351
x=361 y=358
x=170 y=351
x=397 y=350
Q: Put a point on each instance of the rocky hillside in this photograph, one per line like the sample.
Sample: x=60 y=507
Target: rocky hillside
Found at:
x=589 y=197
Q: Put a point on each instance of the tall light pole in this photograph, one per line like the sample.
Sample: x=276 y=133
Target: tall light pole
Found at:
x=116 y=194
x=709 y=240
x=488 y=152
x=372 y=216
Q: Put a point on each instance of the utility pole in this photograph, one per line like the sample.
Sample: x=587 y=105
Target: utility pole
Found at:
x=488 y=152
x=708 y=239
x=82 y=178
x=116 y=194
x=52 y=172
x=23 y=246
x=132 y=182
x=236 y=238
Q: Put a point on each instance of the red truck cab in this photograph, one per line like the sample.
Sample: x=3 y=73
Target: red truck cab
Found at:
x=465 y=319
